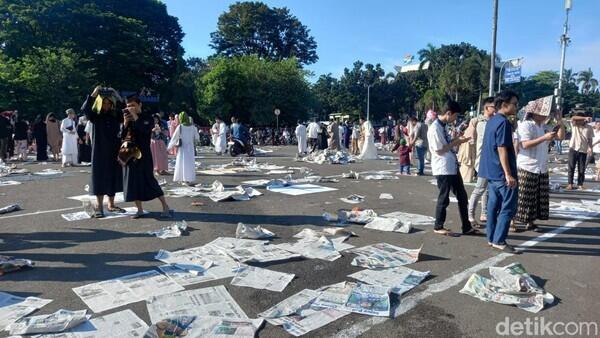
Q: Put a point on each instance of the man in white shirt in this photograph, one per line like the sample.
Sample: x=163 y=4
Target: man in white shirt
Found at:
x=596 y=148
x=301 y=137
x=313 y=134
x=444 y=165
x=580 y=148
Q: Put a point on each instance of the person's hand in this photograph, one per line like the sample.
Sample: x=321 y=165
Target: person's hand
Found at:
x=511 y=182
x=550 y=136
x=96 y=91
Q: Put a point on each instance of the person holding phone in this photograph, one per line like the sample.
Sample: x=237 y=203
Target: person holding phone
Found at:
x=532 y=164
x=444 y=166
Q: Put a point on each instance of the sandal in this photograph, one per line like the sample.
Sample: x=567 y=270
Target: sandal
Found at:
x=166 y=214
x=505 y=248
x=137 y=215
x=445 y=232
x=98 y=214
x=472 y=232
x=117 y=210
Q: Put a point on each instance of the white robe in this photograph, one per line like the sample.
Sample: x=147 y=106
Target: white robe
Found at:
x=185 y=163
x=221 y=142
x=301 y=137
x=69 y=142
x=214 y=131
x=369 y=151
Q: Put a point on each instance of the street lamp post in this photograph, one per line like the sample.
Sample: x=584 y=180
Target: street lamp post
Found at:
x=368 y=100
x=564 y=41
x=493 y=55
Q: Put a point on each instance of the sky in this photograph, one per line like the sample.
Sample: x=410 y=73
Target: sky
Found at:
x=379 y=31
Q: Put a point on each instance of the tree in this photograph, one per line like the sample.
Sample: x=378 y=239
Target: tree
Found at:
x=253 y=28
x=587 y=81
x=127 y=44
x=252 y=88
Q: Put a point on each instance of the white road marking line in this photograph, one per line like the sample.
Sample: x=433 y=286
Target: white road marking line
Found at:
x=40 y=212
x=410 y=302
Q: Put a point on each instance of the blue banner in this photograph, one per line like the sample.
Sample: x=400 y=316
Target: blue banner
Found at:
x=512 y=74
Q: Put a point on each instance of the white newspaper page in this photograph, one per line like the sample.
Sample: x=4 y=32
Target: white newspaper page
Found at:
x=184 y=277
x=13 y=307
x=307 y=320
x=356 y=297
x=211 y=327
x=150 y=283
x=258 y=278
x=261 y=254
x=414 y=219
x=398 y=280
x=123 y=324
x=58 y=321
x=106 y=295
x=207 y=302
x=383 y=256
x=291 y=305
x=389 y=224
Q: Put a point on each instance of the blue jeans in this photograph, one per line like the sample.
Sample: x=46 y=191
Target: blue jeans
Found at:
x=502 y=207
x=421 y=159
x=405 y=168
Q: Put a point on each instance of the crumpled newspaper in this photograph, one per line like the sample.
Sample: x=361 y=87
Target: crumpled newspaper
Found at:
x=9 y=208
x=252 y=232
x=174 y=230
x=356 y=216
x=10 y=264
x=58 y=321
x=389 y=224
x=353 y=199
x=331 y=157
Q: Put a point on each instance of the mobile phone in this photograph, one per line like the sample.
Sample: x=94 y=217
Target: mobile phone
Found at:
x=556 y=128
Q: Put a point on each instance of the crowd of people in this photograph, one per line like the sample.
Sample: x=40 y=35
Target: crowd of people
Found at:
x=507 y=159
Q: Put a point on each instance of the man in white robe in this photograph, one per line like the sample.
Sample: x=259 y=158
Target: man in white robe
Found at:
x=368 y=151
x=68 y=127
x=185 y=164
x=301 y=137
x=221 y=144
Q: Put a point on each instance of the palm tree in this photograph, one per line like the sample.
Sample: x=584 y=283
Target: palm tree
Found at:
x=587 y=81
x=569 y=76
x=427 y=54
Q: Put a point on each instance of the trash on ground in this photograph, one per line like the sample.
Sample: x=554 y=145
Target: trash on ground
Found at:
x=351 y=175
x=583 y=210
x=174 y=230
x=188 y=260
x=399 y=280
x=414 y=219
x=81 y=215
x=212 y=301
x=126 y=323
x=353 y=199
x=252 y=232
x=317 y=247
x=360 y=298
x=386 y=196
x=9 y=208
x=208 y=327
x=106 y=295
x=259 y=278
x=511 y=285
x=383 y=256
x=58 y=321
x=10 y=264
x=14 y=307
x=300 y=189
x=356 y=215
x=389 y=224
x=7 y=183
x=325 y=156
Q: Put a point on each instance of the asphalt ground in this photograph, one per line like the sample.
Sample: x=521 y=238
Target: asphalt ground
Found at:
x=72 y=254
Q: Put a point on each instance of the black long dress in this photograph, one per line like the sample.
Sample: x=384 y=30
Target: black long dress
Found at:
x=41 y=141
x=139 y=182
x=84 y=150
x=107 y=175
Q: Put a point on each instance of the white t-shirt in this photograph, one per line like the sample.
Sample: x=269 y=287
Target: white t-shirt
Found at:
x=313 y=130
x=446 y=163
x=596 y=139
x=534 y=159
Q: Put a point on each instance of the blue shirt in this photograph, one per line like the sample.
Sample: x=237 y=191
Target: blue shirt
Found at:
x=498 y=133
x=239 y=131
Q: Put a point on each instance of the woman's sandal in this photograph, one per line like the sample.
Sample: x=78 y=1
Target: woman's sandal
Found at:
x=137 y=215
x=117 y=210
x=98 y=214
x=445 y=232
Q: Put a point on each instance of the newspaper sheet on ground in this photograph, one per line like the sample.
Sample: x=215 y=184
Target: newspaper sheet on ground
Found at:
x=105 y=295
x=353 y=199
x=209 y=261
x=190 y=260
x=7 y=183
x=413 y=219
x=252 y=232
x=196 y=327
x=398 y=280
x=10 y=264
x=300 y=189
x=58 y=321
x=119 y=198
x=356 y=216
x=124 y=323
x=509 y=285
x=327 y=232
x=383 y=256
x=386 y=196
x=227 y=243
x=172 y=231
x=13 y=307
x=81 y=215
x=583 y=210
x=361 y=298
x=291 y=305
x=207 y=302
x=9 y=208
x=184 y=277
x=259 y=278
x=261 y=254
x=317 y=248
x=389 y=224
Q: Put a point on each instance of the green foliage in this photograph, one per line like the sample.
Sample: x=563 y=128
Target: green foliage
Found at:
x=252 y=88
x=253 y=28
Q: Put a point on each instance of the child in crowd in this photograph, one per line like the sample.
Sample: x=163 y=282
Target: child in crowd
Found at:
x=404 y=155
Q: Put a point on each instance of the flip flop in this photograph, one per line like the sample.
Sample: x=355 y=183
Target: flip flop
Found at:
x=445 y=232
x=472 y=232
x=98 y=214
x=117 y=209
x=137 y=215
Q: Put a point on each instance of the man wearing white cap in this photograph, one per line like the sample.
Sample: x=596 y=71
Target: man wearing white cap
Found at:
x=68 y=127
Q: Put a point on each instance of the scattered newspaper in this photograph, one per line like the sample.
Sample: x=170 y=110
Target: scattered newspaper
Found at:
x=383 y=256
x=189 y=260
x=510 y=285
x=356 y=216
x=327 y=232
x=208 y=261
x=7 y=183
x=308 y=319
x=172 y=231
x=261 y=254
x=49 y=172
x=583 y=210
x=185 y=277
x=195 y=327
x=9 y=208
x=290 y=305
x=13 y=307
x=389 y=224
x=124 y=323
x=58 y=321
x=361 y=298
x=398 y=280
x=386 y=196
x=129 y=289
x=81 y=215
x=353 y=199
x=413 y=219
x=379 y=177
x=207 y=302
x=318 y=247
x=252 y=232
x=119 y=198
x=258 y=278
x=235 y=243
x=10 y=264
